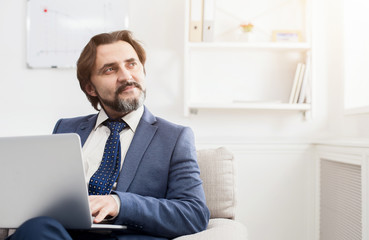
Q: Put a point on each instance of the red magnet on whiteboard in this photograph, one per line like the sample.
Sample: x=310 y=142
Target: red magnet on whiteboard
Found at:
x=45 y=10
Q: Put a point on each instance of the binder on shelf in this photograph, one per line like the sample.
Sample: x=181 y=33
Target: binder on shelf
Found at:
x=208 y=21
x=295 y=82
x=305 y=81
x=299 y=83
x=196 y=23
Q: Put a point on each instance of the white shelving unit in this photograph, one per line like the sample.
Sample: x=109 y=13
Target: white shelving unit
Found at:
x=195 y=106
x=234 y=74
x=300 y=46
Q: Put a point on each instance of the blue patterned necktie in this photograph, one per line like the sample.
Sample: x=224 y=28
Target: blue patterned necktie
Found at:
x=104 y=178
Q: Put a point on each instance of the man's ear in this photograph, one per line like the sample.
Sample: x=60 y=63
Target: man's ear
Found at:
x=90 y=89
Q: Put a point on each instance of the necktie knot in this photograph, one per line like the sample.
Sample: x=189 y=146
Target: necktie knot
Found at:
x=115 y=126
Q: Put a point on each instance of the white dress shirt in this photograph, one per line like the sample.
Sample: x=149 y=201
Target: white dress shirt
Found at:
x=93 y=149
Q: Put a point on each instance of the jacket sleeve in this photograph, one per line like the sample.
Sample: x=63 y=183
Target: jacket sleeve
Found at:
x=183 y=211
x=55 y=130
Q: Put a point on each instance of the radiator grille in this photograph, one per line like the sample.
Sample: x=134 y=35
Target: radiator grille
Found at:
x=340 y=201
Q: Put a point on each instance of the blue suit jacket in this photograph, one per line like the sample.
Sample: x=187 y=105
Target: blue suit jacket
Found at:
x=159 y=185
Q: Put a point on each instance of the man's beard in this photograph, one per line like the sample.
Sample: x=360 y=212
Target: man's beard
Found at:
x=124 y=105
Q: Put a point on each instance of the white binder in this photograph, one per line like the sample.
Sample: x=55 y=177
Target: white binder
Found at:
x=208 y=21
x=196 y=12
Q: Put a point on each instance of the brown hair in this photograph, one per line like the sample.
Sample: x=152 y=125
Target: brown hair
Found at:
x=86 y=61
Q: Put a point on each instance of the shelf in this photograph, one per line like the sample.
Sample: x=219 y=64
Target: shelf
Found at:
x=255 y=106
x=256 y=45
x=255 y=68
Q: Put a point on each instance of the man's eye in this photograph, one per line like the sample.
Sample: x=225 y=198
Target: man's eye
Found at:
x=108 y=70
x=132 y=64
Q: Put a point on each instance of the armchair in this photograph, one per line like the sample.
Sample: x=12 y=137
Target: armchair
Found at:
x=218 y=176
x=217 y=172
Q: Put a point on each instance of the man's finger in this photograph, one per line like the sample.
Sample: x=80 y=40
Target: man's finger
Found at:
x=102 y=214
x=102 y=206
x=95 y=206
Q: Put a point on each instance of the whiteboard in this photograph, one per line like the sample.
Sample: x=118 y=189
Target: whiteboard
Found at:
x=58 y=30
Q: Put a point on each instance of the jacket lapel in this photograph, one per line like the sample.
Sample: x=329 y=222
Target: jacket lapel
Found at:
x=144 y=133
x=85 y=128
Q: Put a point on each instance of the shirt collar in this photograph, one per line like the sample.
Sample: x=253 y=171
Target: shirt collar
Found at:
x=131 y=119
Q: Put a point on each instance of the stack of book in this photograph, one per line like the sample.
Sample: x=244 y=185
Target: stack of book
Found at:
x=201 y=27
x=301 y=87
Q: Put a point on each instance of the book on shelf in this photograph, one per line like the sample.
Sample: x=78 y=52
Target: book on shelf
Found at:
x=296 y=83
x=308 y=91
x=305 y=82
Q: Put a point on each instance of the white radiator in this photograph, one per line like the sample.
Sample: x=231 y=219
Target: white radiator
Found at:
x=342 y=201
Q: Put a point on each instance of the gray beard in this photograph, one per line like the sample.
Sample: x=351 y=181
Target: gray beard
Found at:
x=124 y=105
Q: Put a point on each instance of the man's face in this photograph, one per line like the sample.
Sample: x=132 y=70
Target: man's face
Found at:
x=117 y=79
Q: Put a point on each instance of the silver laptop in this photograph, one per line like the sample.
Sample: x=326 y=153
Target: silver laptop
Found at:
x=44 y=176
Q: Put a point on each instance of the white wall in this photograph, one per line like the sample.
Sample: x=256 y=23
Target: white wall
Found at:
x=33 y=100
x=339 y=124
x=44 y=95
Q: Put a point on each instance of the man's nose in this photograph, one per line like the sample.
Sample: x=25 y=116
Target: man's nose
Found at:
x=124 y=74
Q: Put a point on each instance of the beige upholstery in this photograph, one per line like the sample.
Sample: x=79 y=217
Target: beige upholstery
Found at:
x=218 y=175
x=217 y=172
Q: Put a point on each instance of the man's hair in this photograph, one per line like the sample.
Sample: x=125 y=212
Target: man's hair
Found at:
x=86 y=61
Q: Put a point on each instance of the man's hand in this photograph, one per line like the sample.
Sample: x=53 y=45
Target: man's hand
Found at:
x=103 y=206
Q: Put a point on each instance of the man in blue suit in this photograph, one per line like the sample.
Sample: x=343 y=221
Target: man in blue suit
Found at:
x=154 y=185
